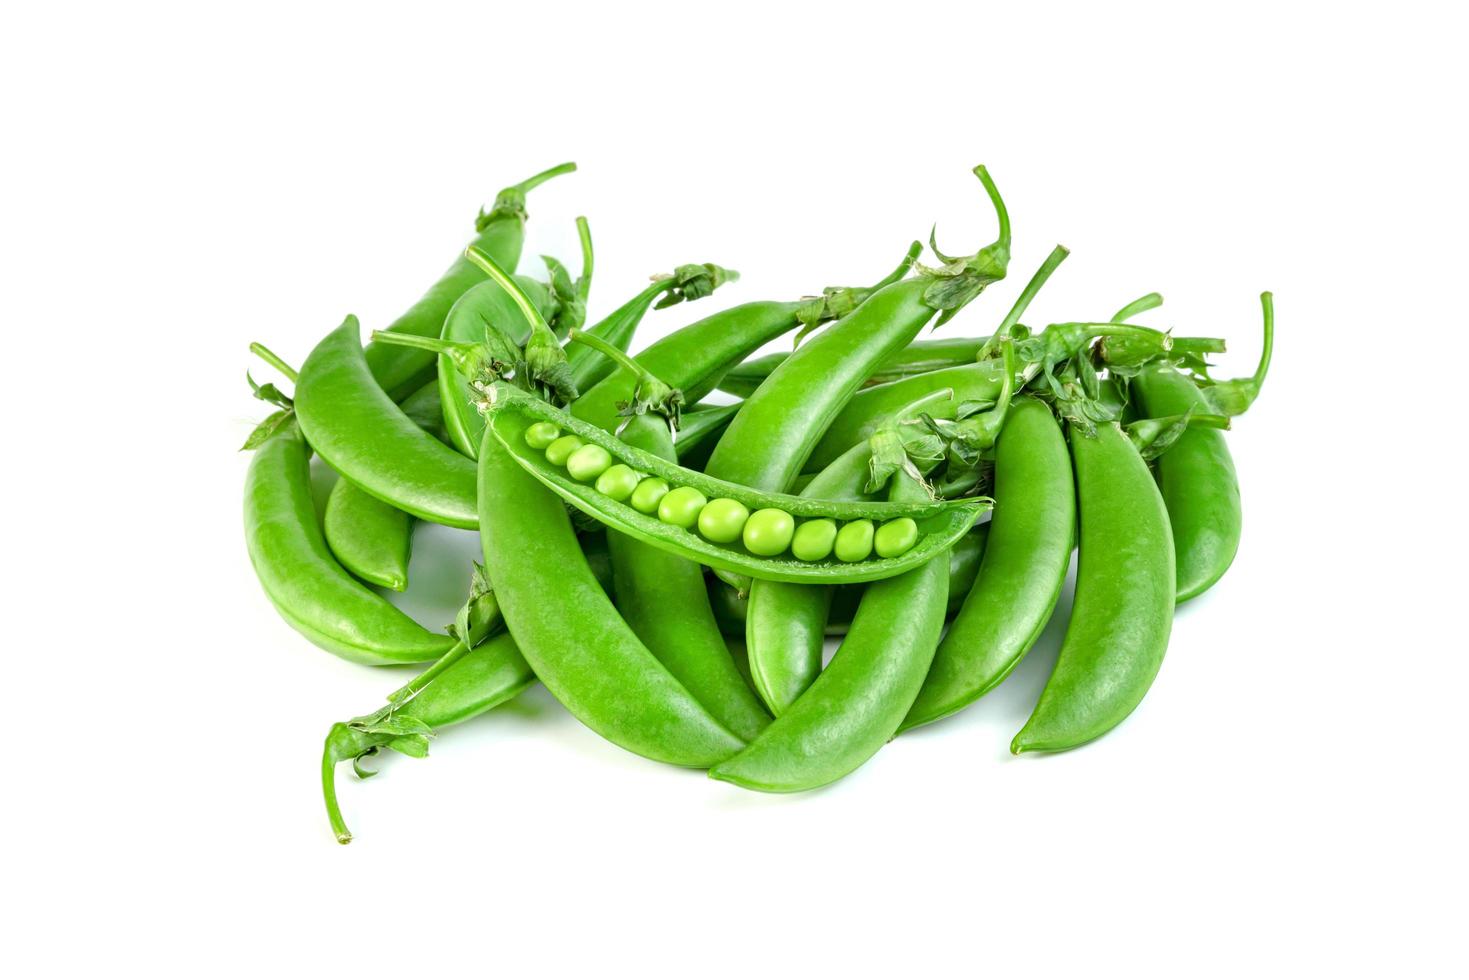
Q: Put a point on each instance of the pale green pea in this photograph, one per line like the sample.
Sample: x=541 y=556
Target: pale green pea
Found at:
x=722 y=520
x=681 y=506
x=768 y=532
x=814 y=539
x=895 y=537
x=588 y=463
x=559 y=451
x=648 y=494
x=618 y=481
x=539 y=435
x=854 y=541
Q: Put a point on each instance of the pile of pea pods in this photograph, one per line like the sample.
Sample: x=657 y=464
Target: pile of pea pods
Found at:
x=918 y=498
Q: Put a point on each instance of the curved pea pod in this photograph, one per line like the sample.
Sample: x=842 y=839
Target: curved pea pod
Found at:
x=304 y=582
x=1123 y=612
x=1022 y=571
x=940 y=523
x=919 y=357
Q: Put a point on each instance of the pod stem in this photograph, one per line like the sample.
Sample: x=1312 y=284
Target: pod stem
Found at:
x=1022 y=302
x=618 y=357
x=1140 y=305
x=407 y=692
x=436 y=344
x=329 y=762
x=531 y=183
x=510 y=202
x=274 y=360
x=584 y=281
x=904 y=267
x=1267 y=307
x=507 y=282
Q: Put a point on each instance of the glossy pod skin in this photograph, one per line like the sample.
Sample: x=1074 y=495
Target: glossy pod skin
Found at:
x=662 y=598
x=866 y=410
x=940 y=523
x=374 y=540
x=310 y=590
x=555 y=608
x=854 y=707
x=1023 y=569
x=499 y=232
x=354 y=426
x=919 y=357
x=785 y=623
x=1123 y=611
x=771 y=438
x=1197 y=479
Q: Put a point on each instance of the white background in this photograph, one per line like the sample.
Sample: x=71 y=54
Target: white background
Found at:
x=181 y=180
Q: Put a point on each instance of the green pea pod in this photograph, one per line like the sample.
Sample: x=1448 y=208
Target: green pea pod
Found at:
x=1123 y=611
x=854 y=707
x=374 y=540
x=700 y=426
x=1023 y=569
x=785 y=626
x=364 y=436
x=310 y=590
x=919 y=357
x=940 y=523
x=500 y=232
x=569 y=632
x=1196 y=476
x=661 y=596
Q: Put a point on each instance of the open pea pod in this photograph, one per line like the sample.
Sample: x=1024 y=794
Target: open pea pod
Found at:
x=938 y=523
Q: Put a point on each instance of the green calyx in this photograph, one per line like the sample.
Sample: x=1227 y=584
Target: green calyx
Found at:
x=961 y=278
x=481 y=364
x=901 y=445
x=569 y=297
x=650 y=395
x=836 y=302
x=973 y=433
x=510 y=202
x=688 y=283
x=545 y=361
x=1154 y=437
x=271 y=395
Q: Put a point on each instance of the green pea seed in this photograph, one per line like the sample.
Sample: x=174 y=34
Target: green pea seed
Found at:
x=618 y=481
x=681 y=506
x=559 y=451
x=648 y=494
x=895 y=537
x=539 y=435
x=722 y=520
x=768 y=532
x=814 y=539
x=588 y=463
x=854 y=541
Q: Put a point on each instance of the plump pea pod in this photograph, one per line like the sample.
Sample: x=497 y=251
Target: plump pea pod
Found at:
x=662 y=597
x=1196 y=476
x=730 y=608
x=919 y=357
x=1123 y=612
x=499 y=232
x=310 y=590
x=478 y=673
x=364 y=436
x=857 y=702
x=374 y=540
x=569 y=632
x=1023 y=569
x=939 y=523
x=785 y=623
x=694 y=358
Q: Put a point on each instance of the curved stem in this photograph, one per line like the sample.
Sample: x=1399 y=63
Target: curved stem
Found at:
x=436 y=344
x=618 y=357
x=1000 y=212
x=912 y=408
x=329 y=793
x=507 y=282
x=904 y=267
x=273 y=359
x=406 y=693
x=584 y=282
x=1022 y=302
x=530 y=183
x=1140 y=305
x=1267 y=305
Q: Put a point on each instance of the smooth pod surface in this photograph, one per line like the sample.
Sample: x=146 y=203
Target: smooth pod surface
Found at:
x=1197 y=479
x=1023 y=569
x=305 y=583
x=1123 y=611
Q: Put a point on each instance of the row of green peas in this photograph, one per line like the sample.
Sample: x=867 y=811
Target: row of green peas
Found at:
x=768 y=532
